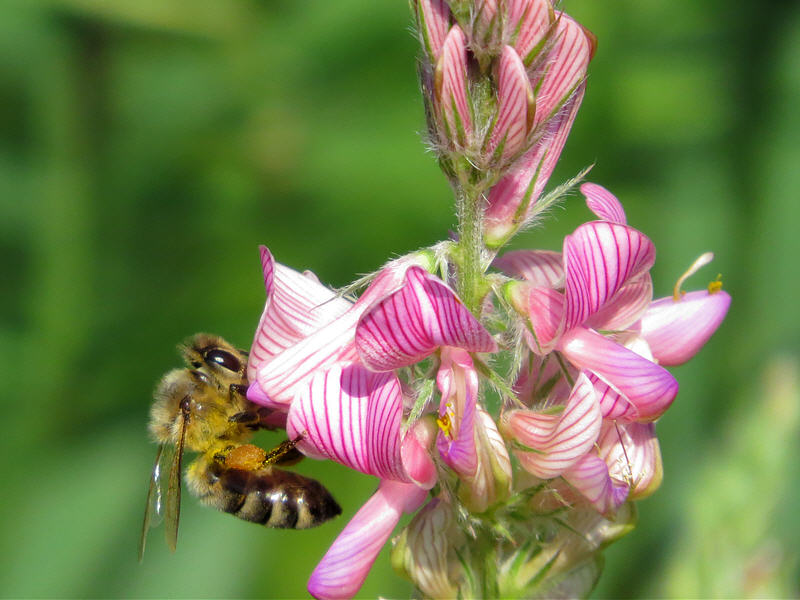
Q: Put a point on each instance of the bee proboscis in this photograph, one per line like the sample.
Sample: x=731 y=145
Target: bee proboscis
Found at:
x=203 y=408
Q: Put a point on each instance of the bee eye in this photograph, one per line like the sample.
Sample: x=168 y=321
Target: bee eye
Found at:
x=223 y=359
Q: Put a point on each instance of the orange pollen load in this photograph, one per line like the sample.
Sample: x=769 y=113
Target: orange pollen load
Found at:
x=247 y=457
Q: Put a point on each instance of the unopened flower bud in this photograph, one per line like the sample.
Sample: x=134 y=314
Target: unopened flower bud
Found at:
x=424 y=551
x=450 y=89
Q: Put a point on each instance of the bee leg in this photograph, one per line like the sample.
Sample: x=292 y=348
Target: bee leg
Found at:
x=260 y=418
x=284 y=454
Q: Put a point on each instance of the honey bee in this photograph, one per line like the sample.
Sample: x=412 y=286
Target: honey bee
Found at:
x=203 y=408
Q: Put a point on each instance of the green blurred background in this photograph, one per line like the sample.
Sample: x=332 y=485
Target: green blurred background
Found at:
x=148 y=146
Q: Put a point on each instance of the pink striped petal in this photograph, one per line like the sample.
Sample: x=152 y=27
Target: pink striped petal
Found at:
x=511 y=200
x=343 y=569
x=599 y=258
x=451 y=86
x=279 y=379
x=558 y=440
x=411 y=323
x=675 y=331
x=632 y=453
x=515 y=108
x=352 y=416
x=530 y=21
x=486 y=23
x=647 y=386
x=458 y=383
x=434 y=21
x=566 y=67
x=603 y=203
x=626 y=307
x=612 y=404
x=543 y=268
x=297 y=305
x=591 y=478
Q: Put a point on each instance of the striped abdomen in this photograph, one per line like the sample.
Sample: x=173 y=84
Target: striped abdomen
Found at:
x=270 y=496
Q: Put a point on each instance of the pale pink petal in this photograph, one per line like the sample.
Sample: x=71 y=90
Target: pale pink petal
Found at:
x=626 y=307
x=491 y=482
x=279 y=378
x=632 y=453
x=543 y=268
x=353 y=416
x=530 y=20
x=603 y=203
x=647 y=386
x=434 y=21
x=511 y=200
x=411 y=323
x=515 y=106
x=345 y=566
x=458 y=383
x=485 y=23
x=451 y=85
x=558 y=440
x=566 y=65
x=600 y=258
x=675 y=331
x=297 y=305
x=591 y=478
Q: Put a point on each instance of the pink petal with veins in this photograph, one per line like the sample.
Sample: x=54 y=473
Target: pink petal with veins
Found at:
x=343 y=569
x=566 y=65
x=434 y=21
x=458 y=383
x=647 y=386
x=558 y=440
x=530 y=20
x=675 y=331
x=625 y=307
x=632 y=453
x=543 y=268
x=451 y=88
x=603 y=203
x=599 y=258
x=297 y=305
x=515 y=106
x=353 y=416
x=411 y=323
x=591 y=478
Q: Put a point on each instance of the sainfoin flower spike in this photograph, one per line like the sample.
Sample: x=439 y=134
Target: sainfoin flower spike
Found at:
x=508 y=403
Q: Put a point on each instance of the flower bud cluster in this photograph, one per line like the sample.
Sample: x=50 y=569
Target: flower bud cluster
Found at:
x=509 y=402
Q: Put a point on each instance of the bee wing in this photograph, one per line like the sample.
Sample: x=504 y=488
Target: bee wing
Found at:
x=172 y=512
x=154 y=506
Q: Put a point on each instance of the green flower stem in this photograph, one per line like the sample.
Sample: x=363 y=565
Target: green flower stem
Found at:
x=470 y=280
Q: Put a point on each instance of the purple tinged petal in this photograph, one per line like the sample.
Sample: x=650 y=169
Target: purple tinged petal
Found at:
x=543 y=268
x=531 y=20
x=511 y=200
x=599 y=259
x=516 y=106
x=458 y=383
x=613 y=405
x=297 y=305
x=434 y=21
x=558 y=440
x=451 y=86
x=411 y=323
x=647 y=386
x=343 y=569
x=675 y=331
x=591 y=478
x=603 y=203
x=626 y=307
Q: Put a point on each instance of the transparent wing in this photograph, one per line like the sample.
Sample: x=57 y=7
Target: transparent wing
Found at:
x=154 y=507
x=172 y=507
